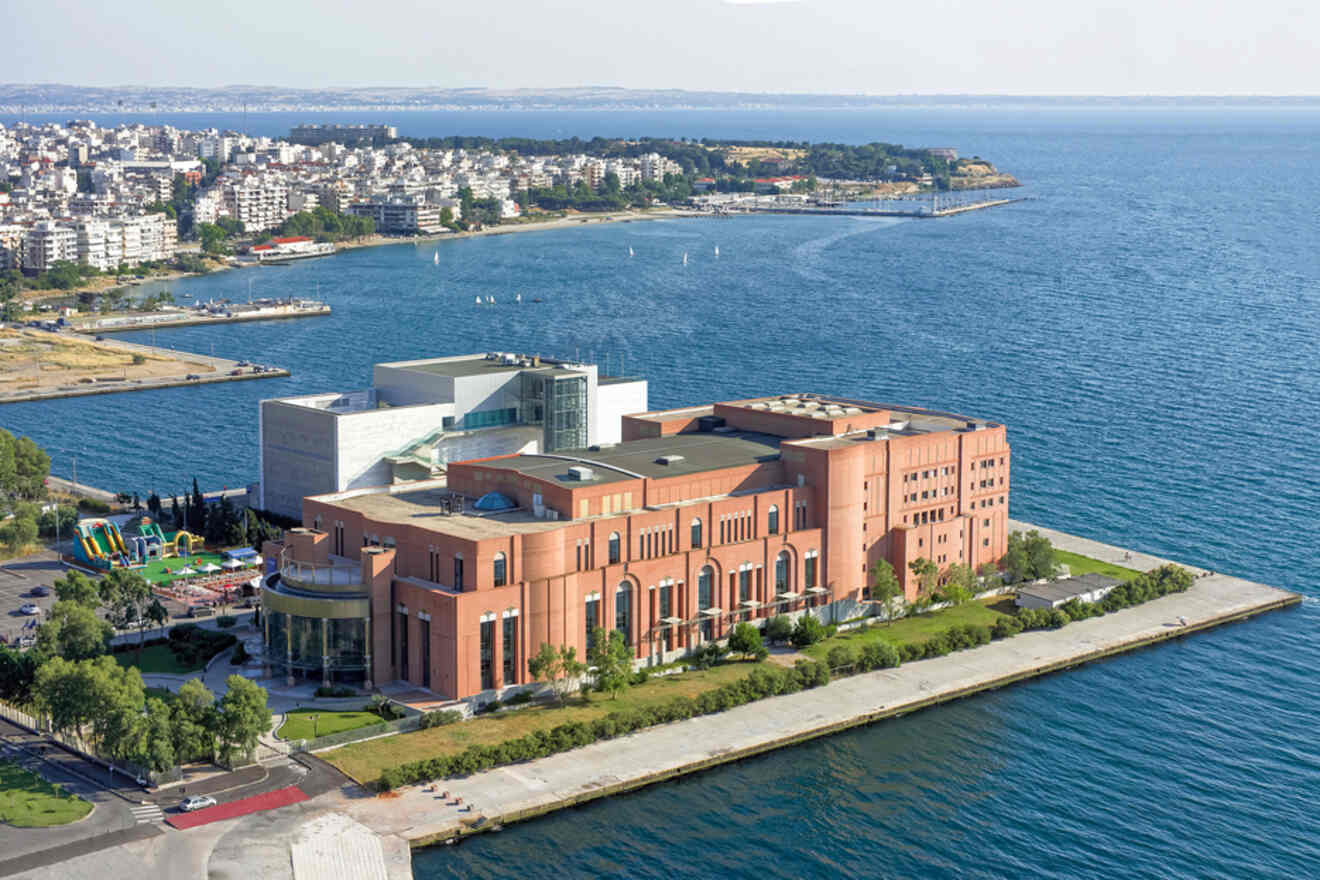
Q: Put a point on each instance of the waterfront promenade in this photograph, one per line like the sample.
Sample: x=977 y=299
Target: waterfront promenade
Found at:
x=309 y=841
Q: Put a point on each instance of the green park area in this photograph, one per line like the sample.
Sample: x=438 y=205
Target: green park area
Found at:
x=1079 y=564
x=364 y=761
x=162 y=571
x=28 y=801
x=158 y=659
x=311 y=723
x=918 y=628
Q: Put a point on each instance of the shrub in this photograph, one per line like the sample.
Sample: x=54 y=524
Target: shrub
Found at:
x=338 y=690
x=225 y=621
x=709 y=655
x=640 y=676
x=745 y=639
x=1006 y=627
x=240 y=655
x=439 y=718
x=519 y=698
x=808 y=631
x=93 y=505
x=910 y=652
x=841 y=657
x=779 y=629
x=1057 y=619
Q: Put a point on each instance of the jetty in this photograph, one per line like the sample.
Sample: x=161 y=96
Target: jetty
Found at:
x=348 y=832
x=878 y=208
x=222 y=312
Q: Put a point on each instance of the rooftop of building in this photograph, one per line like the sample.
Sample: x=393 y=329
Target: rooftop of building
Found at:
x=1069 y=588
x=654 y=458
x=482 y=364
x=432 y=506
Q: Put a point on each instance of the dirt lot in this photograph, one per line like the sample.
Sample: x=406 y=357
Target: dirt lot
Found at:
x=34 y=360
x=745 y=154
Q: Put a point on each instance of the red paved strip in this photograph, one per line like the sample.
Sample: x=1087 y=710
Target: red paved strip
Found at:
x=279 y=798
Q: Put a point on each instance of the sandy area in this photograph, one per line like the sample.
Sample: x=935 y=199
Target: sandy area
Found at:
x=34 y=360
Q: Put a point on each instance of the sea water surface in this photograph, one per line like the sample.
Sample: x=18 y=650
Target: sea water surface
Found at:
x=1146 y=325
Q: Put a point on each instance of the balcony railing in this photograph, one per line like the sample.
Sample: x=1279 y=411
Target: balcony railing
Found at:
x=320 y=574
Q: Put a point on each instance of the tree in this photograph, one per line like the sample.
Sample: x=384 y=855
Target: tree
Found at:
x=127 y=594
x=926 y=572
x=153 y=748
x=557 y=667
x=779 y=629
x=18 y=669
x=74 y=632
x=885 y=588
x=959 y=583
x=242 y=716
x=612 y=659
x=1029 y=557
x=18 y=533
x=746 y=640
x=194 y=722
x=98 y=694
x=807 y=632
x=78 y=588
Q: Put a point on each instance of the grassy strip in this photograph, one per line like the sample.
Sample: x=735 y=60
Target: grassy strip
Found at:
x=298 y=724
x=28 y=801
x=913 y=630
x=1079 y=564
x=157 y=659
x=365 y=761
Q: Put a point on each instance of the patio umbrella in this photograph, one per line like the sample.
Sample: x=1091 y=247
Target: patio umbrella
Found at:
x=187 y=569
x=209 y=568
x=231 y=564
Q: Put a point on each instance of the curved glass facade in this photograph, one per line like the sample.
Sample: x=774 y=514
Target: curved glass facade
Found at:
x=325 y=646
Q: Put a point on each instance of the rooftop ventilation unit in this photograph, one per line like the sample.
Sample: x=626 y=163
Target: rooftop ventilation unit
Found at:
x=601 y=447
x=669 y=459
x=707 y=424
x=580 y=473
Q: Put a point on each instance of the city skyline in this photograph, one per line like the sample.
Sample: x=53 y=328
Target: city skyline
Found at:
x=839 y=47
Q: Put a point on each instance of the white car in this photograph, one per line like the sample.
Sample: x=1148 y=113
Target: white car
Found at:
x=197 y=802
x=29 y=609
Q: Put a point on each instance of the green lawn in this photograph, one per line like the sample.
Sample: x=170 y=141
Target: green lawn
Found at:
x=156 y=658
x=364 y=761
x=1079 y=564
x=158 y=571
x=298 y=724
x=28 y=801
x=918 y=628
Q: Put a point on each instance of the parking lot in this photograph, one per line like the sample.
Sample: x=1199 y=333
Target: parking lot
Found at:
x=17 y=579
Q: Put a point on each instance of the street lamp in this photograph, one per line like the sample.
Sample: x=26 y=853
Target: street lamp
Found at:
x=313 y=719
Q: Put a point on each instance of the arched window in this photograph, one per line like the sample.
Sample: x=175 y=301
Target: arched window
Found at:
x=623 y=610
x=696 y=532
x=706 y=599
x=614 y=547
x=501 y=570
x=772 y=519
x=781 y=572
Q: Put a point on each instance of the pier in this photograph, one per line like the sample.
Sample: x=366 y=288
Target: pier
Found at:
x=873 y=208
x=225 y=314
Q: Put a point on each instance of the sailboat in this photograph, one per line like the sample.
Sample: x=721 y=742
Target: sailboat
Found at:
x=717 y=250
x=684 y=258
x=630 y=250
x=490 y=300
x=478 y=300
x=435 y=258
x=517 y=297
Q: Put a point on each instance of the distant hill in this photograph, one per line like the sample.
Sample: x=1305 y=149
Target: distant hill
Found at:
x=57 y=97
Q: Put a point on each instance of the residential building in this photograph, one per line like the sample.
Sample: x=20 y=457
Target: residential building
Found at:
x=700 y=518
x=399 y=215
x=349 y=135
x=420 y=415
x=259 y=203
x=47 y=243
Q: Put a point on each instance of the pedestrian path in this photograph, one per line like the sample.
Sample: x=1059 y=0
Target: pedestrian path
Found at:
x=147 y=813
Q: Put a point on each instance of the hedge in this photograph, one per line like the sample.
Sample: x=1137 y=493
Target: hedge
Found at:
x=770 y=681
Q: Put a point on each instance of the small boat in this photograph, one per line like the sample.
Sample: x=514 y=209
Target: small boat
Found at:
x=630 y=250
x=538 y=300
x=490 y=300
x=717 y=250
x=478 y=300
x=517 y=297
x=684 y=258
x=435 y=257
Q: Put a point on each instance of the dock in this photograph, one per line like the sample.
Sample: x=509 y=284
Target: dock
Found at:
x=215 y=370
x=523 y=791
x=193 y=317
x=872 y=210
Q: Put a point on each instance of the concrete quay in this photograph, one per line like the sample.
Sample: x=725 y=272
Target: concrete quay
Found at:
x=348 y=833
x=522 y=791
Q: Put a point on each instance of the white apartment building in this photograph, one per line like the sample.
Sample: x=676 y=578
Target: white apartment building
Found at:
x=92 y=235
x=258 y=203
x=47 y=243
x=11 y=245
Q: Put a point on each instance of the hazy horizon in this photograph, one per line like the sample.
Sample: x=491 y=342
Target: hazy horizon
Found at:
x=1018 y=48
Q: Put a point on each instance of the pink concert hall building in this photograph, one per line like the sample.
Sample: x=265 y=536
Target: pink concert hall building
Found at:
x=698 y=519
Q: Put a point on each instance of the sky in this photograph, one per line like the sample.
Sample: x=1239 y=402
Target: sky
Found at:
x=881 y=47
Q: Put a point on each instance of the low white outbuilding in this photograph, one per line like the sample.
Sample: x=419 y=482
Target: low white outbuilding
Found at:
x=1089 y=587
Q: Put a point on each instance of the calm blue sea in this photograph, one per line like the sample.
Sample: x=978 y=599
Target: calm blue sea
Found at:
x=1147 y=327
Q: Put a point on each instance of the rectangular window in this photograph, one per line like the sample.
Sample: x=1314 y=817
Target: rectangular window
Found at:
x=809 y=572
x=584 y=508
x=487 y=655
x=425 y=627
x=744 y=585
x=592 y=621
x=623 y=614
x=403 y=645
x=510 y=648
x=665 y=604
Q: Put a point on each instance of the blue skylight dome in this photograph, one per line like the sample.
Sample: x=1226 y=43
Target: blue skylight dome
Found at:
x=494 y=501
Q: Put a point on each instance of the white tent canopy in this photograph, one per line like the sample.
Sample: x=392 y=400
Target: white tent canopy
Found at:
x=209 y=568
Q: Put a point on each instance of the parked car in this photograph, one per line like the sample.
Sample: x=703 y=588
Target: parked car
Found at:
x=192 y=377
x=100 y=339
x=197 y=802
x=201 y=611
x=26 y=641
x=29 y=609
x=40 y=590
